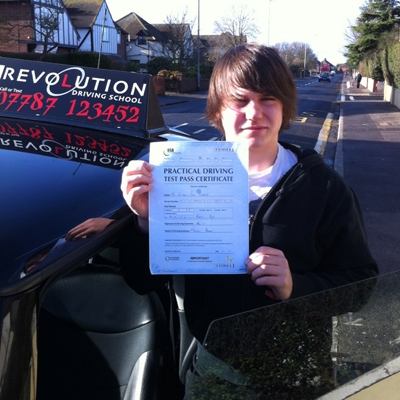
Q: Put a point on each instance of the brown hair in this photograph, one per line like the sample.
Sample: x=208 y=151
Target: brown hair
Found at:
x=253 y=67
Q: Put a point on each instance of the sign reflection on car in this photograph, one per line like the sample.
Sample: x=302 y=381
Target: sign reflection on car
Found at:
x=61 y=142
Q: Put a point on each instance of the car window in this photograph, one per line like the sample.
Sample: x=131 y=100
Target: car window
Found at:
x=304 y=348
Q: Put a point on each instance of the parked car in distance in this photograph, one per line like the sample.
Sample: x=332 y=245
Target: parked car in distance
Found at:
x=324 y=76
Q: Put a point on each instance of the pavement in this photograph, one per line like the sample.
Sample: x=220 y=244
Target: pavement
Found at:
x=368 y=157
x=364 y=139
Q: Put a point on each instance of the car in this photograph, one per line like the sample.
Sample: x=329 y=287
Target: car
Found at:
x=72 y=328
x=324 y=76
x=66 y=133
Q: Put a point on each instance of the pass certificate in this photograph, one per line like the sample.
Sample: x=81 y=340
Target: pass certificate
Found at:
x=199 y=207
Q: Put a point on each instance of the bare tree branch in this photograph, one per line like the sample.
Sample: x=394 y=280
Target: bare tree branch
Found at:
x=177 y=43
x=237 y=27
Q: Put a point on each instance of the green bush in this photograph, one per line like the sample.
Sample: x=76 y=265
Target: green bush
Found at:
x=171 y=79
x=157 y=64
x=377 y=74
x=205 y=71
x=22 y=56
x=132 y=66
x=394 y=63
x=296 y=70
x=81 y=58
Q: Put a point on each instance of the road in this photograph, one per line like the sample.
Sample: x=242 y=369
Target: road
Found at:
x=316 y=100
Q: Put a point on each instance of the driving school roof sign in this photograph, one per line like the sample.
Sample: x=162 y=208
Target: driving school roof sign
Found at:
x=107 y=100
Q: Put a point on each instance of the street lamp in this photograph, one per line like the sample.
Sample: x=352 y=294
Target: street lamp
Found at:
x=198 y=45
x=269 y=19
x=305 y=54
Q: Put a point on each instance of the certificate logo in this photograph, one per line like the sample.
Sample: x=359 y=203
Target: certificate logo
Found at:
x=168 y=151
x=169 y=258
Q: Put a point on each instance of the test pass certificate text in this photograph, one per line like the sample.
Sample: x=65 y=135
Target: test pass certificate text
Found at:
x=199 y=208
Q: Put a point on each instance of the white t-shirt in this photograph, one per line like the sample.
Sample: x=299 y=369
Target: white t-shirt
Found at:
x=261 y=182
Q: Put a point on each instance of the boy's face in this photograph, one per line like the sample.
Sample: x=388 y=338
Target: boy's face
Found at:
x=252 y=117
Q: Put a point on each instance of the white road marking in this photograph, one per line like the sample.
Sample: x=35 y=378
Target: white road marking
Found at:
x=178 y=126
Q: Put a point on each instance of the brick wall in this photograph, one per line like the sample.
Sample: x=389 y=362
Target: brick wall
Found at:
x=187 y=85
x=159 y=83
x=15 y=26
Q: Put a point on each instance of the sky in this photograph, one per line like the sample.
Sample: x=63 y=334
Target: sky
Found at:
x=322 y=25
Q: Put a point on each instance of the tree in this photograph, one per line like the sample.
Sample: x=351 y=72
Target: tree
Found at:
x=294 y=54
x=46 y=24
x=156 y=64
x=177 y=42
x=237 y=27
x=376 y=29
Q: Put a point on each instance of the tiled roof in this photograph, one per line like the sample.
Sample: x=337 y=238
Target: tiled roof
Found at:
x=133 y=24
x=172 y=30
x=210 y=40
x=83 y=12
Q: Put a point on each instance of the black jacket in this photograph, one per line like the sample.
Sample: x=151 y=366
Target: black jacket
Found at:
x=314 y=218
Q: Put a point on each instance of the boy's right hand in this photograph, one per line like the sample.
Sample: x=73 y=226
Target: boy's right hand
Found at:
x=135 y=186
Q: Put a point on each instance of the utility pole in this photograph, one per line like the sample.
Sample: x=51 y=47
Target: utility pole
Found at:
x=102 y=36
x=198 y=45
x=269 y=19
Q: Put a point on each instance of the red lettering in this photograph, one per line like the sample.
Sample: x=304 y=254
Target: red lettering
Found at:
x=64 y=82
x=51 y=103
x=125 y=152
x=11 y=130
x=26 y=98
x=4 y=97
x=22 y=131
x=58 y=150
x=135 y=115
x=36 y=133
x=13 y=99
x=72 y=108
x=47 y=134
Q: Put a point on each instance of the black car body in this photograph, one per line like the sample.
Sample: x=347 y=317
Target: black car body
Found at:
x=63 y=144
x=73 y=329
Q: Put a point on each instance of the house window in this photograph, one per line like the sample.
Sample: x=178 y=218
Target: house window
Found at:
x=141 y=40
x=106 y=34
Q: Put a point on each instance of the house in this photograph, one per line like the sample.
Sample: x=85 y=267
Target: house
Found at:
x=36 y=26
x=178 y=42
x=86 y=25
x=60 y=26
x=146 y=41
x=97 y=30
x=212 y=47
